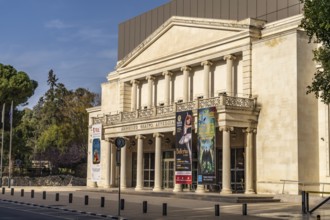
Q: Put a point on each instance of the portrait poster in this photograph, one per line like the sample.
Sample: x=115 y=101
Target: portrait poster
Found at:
x=183 y=136
x=206 y=147
x=96 y=152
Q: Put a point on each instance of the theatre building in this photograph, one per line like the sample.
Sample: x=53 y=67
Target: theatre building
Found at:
x=210 y=95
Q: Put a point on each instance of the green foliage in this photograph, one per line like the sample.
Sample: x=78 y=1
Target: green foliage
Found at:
x=316 y=22
x=62 y=123
x=16 y=86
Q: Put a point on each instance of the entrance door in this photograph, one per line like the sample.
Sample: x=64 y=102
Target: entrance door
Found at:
x=236 y=169
x=148 y=169
x=168 y=173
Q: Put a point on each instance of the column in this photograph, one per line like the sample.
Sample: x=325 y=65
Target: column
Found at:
x=112 y=164
x=123 y=184
x=207 y=66
x=107 y=167
x=158 y=162
x=134 y=95
x=167 y=75
x=249 y=186
x=229 y=84
x=186 y=70
x=139 y=167
x=226 y=175
x=150 y=90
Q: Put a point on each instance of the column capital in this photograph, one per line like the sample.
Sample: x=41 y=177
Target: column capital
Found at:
x=229 y=57
x=110 y=140
x=152 y=78
x=226 y=128
x=167 y=73
x=155 y=135
x=139 y=136
x=249 y=130
x=206 y=63
x=135 y=81
x=186 y=68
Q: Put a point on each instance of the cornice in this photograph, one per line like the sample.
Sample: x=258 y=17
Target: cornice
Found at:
x=229 y=25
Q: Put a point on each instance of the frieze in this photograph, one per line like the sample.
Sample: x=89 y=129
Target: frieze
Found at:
x=159 y=124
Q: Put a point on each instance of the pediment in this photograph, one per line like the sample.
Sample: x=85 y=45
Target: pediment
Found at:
x=179 y=35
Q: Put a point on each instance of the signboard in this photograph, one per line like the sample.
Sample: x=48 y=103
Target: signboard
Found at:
x=206 y=147
x=183 y=135
x=96 y=152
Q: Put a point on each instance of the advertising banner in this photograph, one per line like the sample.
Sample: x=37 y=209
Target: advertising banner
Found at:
x=206 y=146
x=183 y=136
x=96 y=152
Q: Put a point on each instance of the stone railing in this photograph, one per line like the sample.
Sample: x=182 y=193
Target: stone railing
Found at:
x=163 y=111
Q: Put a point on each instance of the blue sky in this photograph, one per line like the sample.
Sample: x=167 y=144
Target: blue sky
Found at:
x=76 y=38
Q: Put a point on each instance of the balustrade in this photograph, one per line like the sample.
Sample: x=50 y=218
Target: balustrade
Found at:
x=161 y=111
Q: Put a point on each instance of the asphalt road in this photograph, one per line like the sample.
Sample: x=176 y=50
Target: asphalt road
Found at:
x=17 y=211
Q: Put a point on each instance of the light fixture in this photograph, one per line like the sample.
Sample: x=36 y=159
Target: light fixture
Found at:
x=150 y=142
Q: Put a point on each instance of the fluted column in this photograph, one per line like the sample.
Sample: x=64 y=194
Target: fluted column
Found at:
x=134 y=94
x=167 y=75
x=249 y=185
x=112 y=164
x=123 y=184
x=186 y=70
x=226 y=175
x=139 y=167
x=229 y=84
x=150 y=90
x=207 y=66
x=158 y=162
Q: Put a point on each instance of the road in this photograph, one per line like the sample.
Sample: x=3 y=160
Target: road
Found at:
x=17 y=211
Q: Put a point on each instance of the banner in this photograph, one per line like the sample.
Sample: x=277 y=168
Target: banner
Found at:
x=96 y=152
x=206 y=146
x=183 y=136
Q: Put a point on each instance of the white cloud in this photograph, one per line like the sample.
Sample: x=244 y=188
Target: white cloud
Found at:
x=56 y=24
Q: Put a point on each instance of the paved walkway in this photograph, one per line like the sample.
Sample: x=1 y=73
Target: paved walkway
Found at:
x=179 y=205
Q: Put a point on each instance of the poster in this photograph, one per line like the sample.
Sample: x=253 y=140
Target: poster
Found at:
x=206 y=146
x=96 y=152
x=183 y=136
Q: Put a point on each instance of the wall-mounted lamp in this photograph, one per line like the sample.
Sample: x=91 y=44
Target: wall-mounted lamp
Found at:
x=150 y=142
x=167 y=140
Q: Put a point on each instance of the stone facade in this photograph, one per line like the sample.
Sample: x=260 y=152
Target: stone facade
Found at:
x=269 y=132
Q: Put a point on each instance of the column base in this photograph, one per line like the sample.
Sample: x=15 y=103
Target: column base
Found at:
x=249 y=191
x=226 y=192
x=177 y=188
x=200 y=189
x=138 y=188
x=157 y=189
x=123 y=187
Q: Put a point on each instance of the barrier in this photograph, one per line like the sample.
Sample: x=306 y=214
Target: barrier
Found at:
x=44 y=195
x=122 y=204
x=57 y=197
x=32 y=193
x=3 y=190
x=102 y=201
x=22 y=192
x=217 y=210
x=164 y=209
x=86 y=200
x=70 y=197
x=144 y=207
x=244 y=209
x=12 y=191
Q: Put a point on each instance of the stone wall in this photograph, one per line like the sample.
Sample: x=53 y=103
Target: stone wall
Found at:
x=60 y=180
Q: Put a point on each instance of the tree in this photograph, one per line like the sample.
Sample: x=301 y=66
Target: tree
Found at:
x=15 y=86
x=316 y=22
x=62 y=123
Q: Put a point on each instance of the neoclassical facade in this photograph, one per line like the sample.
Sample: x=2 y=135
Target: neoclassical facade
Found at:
x=254 y=72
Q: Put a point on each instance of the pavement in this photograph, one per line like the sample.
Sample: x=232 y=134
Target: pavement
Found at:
x=151 y=205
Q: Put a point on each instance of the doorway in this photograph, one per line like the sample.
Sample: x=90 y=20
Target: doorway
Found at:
x=237 y=169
